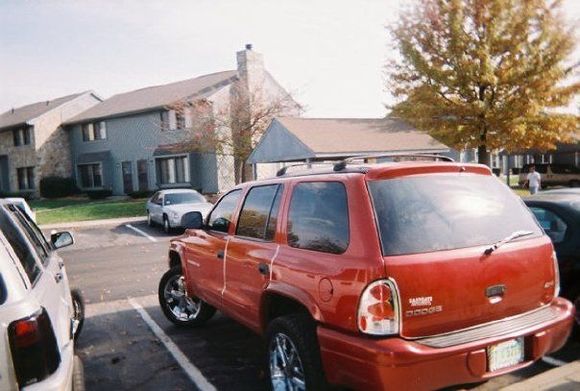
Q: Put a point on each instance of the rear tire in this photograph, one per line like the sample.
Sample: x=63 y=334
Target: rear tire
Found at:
x=178 y=307
x=78 y=378
x=294 y=354
x=78 y=312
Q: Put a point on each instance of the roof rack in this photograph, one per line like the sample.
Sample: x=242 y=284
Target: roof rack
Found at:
x=283 y=170
x=342 y=165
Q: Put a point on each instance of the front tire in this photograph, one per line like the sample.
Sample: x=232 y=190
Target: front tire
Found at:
x=178 y=307
x=294 y=355
x=78 y=313
x=149 y=220
x=166 y=225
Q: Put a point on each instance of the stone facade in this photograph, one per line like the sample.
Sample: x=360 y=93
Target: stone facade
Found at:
x=49 y=150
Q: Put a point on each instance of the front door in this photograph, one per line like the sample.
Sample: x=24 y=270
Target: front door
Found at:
x=143 y=175
x=127 y=168
x=251 y=253
x=204 y=257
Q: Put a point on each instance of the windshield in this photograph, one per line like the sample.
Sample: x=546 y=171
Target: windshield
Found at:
x=182 y=198
x=445 y=212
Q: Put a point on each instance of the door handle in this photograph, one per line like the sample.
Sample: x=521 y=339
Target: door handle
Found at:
x=58 y=277
x=220 y=254
x=263 y=269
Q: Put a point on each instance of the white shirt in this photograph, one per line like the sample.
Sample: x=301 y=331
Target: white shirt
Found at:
x=534 y=179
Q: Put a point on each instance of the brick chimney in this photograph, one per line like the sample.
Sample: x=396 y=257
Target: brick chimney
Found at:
x=250 y=68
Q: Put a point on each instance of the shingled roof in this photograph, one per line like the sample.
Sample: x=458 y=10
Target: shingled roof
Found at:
x=23 y=115
x=292 y=138
x=156 y=97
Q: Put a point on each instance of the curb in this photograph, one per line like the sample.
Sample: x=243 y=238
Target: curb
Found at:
x=94 y=223
x=566 y=377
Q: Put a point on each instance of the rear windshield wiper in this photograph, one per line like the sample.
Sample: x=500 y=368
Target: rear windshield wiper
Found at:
x=512 y=236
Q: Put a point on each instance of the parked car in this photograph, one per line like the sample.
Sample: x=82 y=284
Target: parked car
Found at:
x=563 y=190
x=38 y=318
x=166 y=207
x=553 y=174
x=23 y=205
x=559 y=216
x=402 y=275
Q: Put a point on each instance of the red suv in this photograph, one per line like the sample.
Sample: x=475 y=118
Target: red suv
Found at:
x=402 y=275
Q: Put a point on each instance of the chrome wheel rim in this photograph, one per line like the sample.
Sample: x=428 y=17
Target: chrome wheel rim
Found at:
x=286 y=370
x=183 y=307
x=76 y=318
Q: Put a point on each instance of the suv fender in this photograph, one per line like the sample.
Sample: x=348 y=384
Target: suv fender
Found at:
x=278 y=290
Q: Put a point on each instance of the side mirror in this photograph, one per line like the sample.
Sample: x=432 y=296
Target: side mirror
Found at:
x=192 y=220
x=61 y=239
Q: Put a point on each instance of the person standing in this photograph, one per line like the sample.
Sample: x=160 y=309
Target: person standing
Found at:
x=534 y=180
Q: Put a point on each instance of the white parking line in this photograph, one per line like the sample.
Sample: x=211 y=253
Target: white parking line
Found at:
x=191 y=370
x=151 y=238
x=553 y=361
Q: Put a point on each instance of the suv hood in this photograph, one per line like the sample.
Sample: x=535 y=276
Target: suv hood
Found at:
x=451 y=290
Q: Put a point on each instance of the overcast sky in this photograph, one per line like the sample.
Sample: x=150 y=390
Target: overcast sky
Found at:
x=329 y=53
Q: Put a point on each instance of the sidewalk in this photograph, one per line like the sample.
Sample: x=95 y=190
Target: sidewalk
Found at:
x=564 y=378
x=94 y=223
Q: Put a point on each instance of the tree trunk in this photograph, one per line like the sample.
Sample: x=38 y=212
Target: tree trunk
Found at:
x=483 y=156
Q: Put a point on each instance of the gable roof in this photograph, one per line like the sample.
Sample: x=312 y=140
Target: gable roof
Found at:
x=292 y=138
x=156 y=97
x=22 y=115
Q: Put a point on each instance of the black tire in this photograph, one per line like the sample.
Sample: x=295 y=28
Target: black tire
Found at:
x=301 y=331
x=149 y=220
x=78 y=378
x=78 y=312
x=178 y=307
x=166 y=225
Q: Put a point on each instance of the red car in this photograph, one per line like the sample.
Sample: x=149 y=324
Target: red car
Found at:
x=403 y=275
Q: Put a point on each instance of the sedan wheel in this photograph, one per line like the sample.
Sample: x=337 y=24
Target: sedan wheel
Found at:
x=149 y=220
x=177 y=305
x=166 y=225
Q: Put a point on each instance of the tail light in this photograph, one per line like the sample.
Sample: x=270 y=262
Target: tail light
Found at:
x=378 y=310
x=556 y=275
x=34 y=349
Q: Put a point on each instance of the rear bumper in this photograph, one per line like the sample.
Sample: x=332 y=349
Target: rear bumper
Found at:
x=395 y=363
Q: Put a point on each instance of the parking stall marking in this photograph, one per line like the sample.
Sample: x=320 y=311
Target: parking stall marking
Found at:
x=191 y=370
x=143 y=233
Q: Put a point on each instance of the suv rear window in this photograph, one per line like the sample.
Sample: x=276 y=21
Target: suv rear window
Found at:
x=445 y=212
x=318 y=217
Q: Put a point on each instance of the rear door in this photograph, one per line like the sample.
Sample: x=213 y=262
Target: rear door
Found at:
x=206 y=250
x=45 y=270
x=437 y=233
x=251 y=253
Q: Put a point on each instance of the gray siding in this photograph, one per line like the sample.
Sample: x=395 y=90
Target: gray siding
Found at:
x=135 y=138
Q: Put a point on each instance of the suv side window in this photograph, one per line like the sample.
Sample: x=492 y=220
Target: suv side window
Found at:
x=554 y=226
x=259 y=212
x=42 y=248
x=221 y=216
x=20 y=246
x=318 y=217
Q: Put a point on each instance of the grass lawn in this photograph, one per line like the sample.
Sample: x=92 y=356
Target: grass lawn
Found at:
x=81 y=209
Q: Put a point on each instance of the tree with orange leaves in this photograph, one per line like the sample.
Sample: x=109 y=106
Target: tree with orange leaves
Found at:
x=486 y=74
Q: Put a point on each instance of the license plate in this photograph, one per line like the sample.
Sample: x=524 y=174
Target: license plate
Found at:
x=505 y=354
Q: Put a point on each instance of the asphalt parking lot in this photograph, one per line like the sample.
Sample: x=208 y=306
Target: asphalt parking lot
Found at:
x=127 y=344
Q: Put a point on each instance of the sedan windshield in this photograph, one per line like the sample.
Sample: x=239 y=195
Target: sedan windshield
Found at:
x=183 y=198
x=444 y=212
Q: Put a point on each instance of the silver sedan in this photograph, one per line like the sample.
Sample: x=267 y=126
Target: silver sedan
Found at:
x=166 y=207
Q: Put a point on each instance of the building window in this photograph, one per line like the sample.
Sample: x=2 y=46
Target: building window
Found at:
x=170 y=118
x=25 y=178
x=94 y=131
x=172 y=170
x=91 y=175
x=21 y=136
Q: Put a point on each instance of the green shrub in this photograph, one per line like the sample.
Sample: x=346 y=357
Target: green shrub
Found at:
x=141 y=194
x=99 y=194
x=57 y=187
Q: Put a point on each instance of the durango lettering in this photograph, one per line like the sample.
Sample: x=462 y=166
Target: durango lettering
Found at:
x=424 y=311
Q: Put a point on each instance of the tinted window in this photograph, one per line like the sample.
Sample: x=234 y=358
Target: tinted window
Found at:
x=318 y=217
x=221 y=216
x=554 y=226
x=564 y=169
x=20 y=245
x=35 y=238
x=444 y=212
x=182 y=198
x=255 y=215
x=273 y=221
